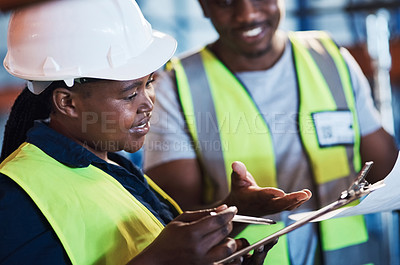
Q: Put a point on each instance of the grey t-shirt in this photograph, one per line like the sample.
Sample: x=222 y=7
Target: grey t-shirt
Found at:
x=275 y=93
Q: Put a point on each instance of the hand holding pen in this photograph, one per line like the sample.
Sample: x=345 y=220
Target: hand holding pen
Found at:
x=248 y=219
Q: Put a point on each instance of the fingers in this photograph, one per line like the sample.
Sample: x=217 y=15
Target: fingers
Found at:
x=226 y=248
x=214 y=229
x=221 y=208
x=207 y=227
x=240 y=244
x=254 y=200
x=239 y=168
x=308 y=192
x=194 y=238
x=298 y=198
x=240 y=177
x=273 y=192
x=267 y=247
x=272 y=200
x=190 y=216
x=220 y=227
x=304 y=194
x=211 y=225
x=257 y=258
x=259 y=254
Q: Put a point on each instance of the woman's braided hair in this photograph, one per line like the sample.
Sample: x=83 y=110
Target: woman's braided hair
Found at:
x=27 y=108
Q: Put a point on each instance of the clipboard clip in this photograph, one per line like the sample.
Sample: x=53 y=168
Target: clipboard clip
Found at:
x=357 y=189
x=360 y=185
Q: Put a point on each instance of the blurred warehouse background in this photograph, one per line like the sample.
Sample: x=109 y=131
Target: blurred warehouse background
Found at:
x=370 y=29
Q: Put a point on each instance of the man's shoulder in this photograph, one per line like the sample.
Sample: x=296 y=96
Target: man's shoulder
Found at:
x=190 y=59
x=190 y=53
x=312 y=34
x=171 y=65
x=308 y=37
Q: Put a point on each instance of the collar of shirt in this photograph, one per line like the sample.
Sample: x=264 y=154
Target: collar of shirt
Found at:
x=60 y=147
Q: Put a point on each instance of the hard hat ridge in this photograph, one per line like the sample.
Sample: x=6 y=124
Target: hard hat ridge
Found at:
x=68 y=39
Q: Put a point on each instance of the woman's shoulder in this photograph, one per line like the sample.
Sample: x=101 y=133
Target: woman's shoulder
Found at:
x=24 y=230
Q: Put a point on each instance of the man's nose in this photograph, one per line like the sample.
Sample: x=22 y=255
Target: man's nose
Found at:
x=245 y=11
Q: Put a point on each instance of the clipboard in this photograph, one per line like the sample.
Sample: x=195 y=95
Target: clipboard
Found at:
x=359 y=188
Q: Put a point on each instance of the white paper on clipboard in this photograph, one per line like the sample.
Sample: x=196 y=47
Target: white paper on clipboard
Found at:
x=385 y=199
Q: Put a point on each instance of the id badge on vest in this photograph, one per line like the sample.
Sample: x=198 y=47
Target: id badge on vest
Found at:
x=334 y=127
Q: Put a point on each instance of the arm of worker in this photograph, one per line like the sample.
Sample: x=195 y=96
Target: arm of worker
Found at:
x=198 y=237
x=377 y=145
x=183 y=179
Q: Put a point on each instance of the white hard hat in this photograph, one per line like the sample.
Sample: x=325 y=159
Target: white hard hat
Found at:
x=68 y=39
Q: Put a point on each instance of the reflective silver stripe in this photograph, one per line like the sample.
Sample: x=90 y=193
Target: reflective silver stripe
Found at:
x=328 y=69
x=211 y=148
x=330 y=72
x=328 y=190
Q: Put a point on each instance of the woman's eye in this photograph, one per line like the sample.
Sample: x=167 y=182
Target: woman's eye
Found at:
x=132 y=96
x=151 y=80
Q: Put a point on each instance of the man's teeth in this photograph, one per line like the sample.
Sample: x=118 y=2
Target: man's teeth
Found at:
x=252 y=33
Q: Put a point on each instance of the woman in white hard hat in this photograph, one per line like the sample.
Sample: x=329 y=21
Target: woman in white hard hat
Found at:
x=65 y=197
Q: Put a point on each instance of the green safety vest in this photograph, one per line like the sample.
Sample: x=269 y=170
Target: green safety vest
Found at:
x=96 y=219
x=221 y=115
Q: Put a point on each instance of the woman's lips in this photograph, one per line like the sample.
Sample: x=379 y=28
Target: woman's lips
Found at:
x=142 y=127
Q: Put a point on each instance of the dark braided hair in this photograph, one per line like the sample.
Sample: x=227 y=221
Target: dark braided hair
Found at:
x=27 y=108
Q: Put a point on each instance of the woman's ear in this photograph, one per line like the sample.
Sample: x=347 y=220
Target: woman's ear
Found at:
x=64 y=102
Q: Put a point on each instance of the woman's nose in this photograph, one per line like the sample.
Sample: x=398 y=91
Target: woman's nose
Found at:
x=147 y=103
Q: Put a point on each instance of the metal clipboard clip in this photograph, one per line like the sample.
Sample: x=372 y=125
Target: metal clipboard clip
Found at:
x=359 y=188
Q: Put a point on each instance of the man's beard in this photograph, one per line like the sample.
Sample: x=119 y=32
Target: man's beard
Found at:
x=256 y=54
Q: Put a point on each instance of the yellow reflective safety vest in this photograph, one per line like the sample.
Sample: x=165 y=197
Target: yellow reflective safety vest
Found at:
x=226 y=125
x=96 y=219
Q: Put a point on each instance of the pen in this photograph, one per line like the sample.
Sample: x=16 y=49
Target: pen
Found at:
x=250 y=220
